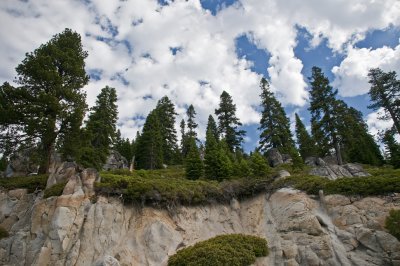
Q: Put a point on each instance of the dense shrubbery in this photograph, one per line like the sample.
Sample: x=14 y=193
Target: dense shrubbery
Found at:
x=168 y=186
x=392 y=223
x=232 y=250
x=29 y=182
x=55 y=190
x=363 y=186
x=3 y=233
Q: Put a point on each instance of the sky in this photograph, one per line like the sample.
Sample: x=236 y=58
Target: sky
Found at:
x=192 y=50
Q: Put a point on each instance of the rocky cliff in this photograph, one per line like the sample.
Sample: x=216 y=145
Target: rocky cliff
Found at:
x=79 y=229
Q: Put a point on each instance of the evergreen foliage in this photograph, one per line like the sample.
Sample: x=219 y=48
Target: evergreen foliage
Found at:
x=191 y=124
x=392 y=223
x=393 y=148
x=304 y=140
x=149 y=150
x=212 y=126
x=385 y=93
x=323 y=105
x=259 y=165
x=224 y=250
x=124 y=146
x=167 y=115
x=274 y=124
x=228 y=123
x=193 y=164
x=49 y=101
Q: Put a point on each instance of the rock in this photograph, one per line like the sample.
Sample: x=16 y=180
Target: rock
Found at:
x=310 y=161
x=88 y=177
x=368 y=239
x=19 y=193
x=115 y=161
x=287 y=159
x=107 y=261
x=330 y=160
x=355 y=170
x=274 y=157
x=62 y=173
x=21 y=164
x=281 y=174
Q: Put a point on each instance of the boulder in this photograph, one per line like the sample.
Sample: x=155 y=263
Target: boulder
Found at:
x=107 y=260
x=21 y=164
x=274 y=157
x=115 y=161
x=281 y=174
x=355 y=169
x=62 y=173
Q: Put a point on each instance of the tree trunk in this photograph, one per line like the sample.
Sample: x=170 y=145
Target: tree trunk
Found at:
x=338 y=152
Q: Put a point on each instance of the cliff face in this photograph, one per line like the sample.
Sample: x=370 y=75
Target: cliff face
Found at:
x=73 y=230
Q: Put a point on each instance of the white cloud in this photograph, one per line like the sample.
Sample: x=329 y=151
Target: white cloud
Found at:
x=351 y=75
x=139 y=35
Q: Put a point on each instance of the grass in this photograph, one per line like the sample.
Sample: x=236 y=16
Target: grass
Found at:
x=168 y=186
x=224 y=250
x=29 y=182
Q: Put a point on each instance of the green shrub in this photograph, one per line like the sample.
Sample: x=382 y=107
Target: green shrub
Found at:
x=363 y=186
x=55 y=190
x=229 y=250
x=3 y=232
x=29 y=182
x=392 y=223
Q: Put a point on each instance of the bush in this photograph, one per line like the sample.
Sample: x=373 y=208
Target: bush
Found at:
x=3 y=232
x=229 y=250
x=29 y=182
x=363 y=186
x=392 y=223
x=55 y=190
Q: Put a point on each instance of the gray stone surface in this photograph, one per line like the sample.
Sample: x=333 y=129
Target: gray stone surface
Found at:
x=116 y=161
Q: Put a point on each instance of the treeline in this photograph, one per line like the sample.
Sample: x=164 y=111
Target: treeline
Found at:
x=46 y=111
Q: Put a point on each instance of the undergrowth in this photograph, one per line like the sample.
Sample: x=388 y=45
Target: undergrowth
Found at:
x=224 y=250
x=392 y=223
x=55 y=190
x=32 y=183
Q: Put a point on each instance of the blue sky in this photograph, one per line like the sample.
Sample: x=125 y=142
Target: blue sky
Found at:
x=193 y=50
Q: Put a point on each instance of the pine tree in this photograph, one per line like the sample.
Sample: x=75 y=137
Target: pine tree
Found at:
x=228 y=123
x=193 y=164
x=166 y=114
x=149 y=146
x=304 y=140
x=212 y=126
x=210 y=157
x=101 y=124
x=258 y=164
x=274 y=124
x=357 y=144
x=191 y=124
x=324 y=124
x=50 y=92
x=393 y=148
x=123 y=146
x=385 y=93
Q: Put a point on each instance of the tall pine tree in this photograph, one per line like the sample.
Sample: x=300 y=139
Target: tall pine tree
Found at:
x=323 y=105
x=149 y=146
x=167 y=115
x=193 y=164
x=392 y=148
x=228 y=123
x=304 y=140
x=49 y=101
x=191 y=124
x=385 y=93
x=274 y=124
x=212 y=126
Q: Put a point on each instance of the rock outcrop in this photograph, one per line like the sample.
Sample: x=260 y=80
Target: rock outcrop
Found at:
x=115 y=161
x=275 y=158
x=325 y=168
x=76 y=229
x=21 y=164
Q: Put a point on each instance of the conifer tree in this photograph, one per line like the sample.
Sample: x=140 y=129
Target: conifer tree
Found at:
x=191 y=124
x=167 y=115
x=274 y=124
x=228 y=123
x=385 y=93
x=102 y=120
x=149 y=146
x=393 y=148
x=49 y=100
x=210 y=157
x=304 y=140
x=212 y=126
x=123 y=146
x=193 y=164
x=324 y=122
x=357 y=144
x=258 y=164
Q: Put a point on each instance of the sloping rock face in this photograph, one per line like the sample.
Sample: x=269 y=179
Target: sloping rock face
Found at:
x=74 y=229
x=325 y=168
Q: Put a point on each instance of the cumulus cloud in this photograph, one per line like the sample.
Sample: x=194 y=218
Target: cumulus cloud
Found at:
x=351 y=75
x=181 y=50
